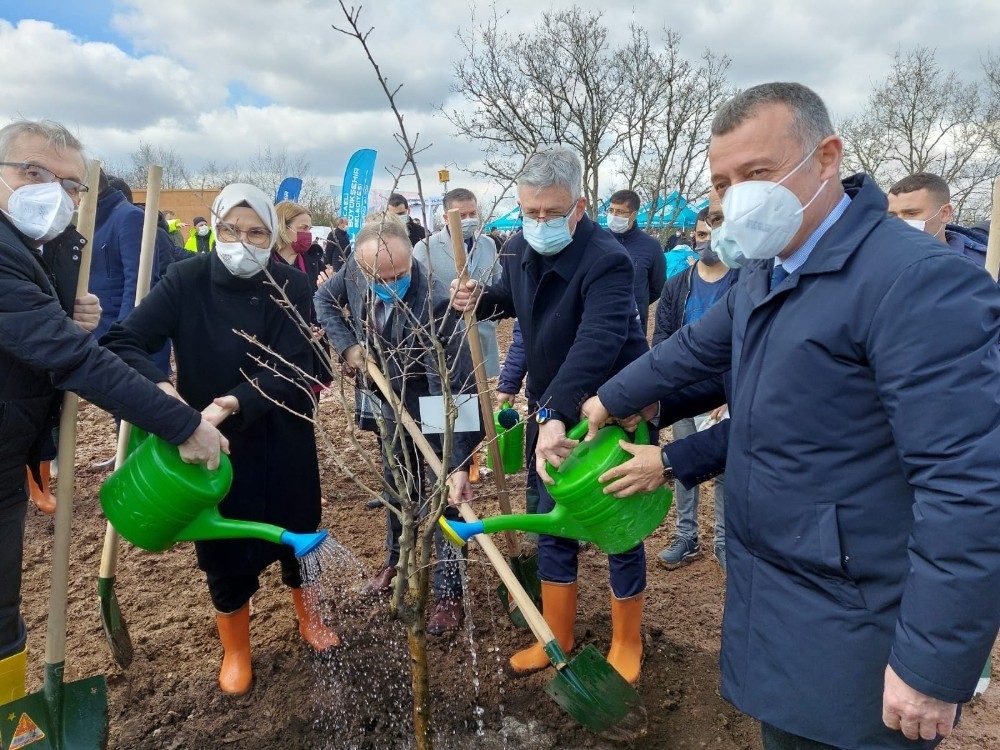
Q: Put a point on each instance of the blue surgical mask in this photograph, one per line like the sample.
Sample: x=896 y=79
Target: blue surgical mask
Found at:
x=548 y=237
x=390 y=292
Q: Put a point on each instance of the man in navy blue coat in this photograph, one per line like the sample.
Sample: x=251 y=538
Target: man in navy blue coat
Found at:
x=569 y=284
x=863 y=487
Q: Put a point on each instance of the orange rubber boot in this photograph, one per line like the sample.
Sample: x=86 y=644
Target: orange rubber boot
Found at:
x=474 y=469
x=311 y=626
x=40 y=496
x=559 y=608
x=236 y=675
x=625 y=654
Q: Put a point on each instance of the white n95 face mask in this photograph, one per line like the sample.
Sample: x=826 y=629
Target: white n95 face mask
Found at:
x=617 y=224
x=41 y=211
x=242 y=260
x=761 y=218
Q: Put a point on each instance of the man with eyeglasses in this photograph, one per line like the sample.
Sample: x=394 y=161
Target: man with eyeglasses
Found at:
x=43 y=351
x=923 y=201
x=569 y=284
x=647 y=257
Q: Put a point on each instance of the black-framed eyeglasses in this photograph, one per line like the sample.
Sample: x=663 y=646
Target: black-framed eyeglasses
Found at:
x=256 y=236
x=41 y=175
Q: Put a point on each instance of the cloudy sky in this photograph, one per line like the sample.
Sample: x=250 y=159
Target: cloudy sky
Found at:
x=220 y=79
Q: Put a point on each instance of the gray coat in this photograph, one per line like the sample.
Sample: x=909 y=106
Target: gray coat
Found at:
x=438 y=258
x=344 y=309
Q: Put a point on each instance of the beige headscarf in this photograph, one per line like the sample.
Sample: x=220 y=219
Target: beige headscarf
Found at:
x=241 y=192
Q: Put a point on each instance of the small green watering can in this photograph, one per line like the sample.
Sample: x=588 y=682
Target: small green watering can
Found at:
x=510 y=440
x=582 y=510
x=154 y=500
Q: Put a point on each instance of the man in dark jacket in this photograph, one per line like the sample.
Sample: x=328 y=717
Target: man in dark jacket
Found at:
x=382 y=304
x=338 y=245
x=44 y=352
x=923 y=201
x=569 y=284
x=685 y=298
x=647 y=257
x=399 y=206
x=863 y=499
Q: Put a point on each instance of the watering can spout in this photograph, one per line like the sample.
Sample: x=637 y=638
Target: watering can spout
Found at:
x=555 y=523
x=303 y=544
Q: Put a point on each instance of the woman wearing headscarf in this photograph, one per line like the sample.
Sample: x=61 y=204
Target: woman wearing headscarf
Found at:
x=208 y=305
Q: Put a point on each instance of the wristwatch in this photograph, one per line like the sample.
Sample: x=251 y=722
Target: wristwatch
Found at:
x=668 y=470
x=544 y=414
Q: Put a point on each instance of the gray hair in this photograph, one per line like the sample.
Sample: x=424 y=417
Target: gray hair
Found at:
x=556 y=167
x=54 y=133
x=456 y=195
x=810 y=120
x=381 y=227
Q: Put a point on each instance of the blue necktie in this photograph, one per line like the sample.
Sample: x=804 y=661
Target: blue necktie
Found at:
x=778 y=275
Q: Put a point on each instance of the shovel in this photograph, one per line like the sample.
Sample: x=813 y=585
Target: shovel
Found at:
x=63 y=715
x=525 y=567
x=115 y=628
x=587 y=687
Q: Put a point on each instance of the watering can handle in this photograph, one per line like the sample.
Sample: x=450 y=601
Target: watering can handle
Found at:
x=579 y=431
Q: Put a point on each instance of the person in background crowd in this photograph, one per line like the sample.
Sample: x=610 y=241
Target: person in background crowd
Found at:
x=338 y=245
x=647 y=257
x=679 y=258
x=203 y=305
x=174 y=227
x=44 y=351
x=569 y=284
x=862 y=510
x=202 y=238
x=923 y=201
x=686 y=297
x=383 y=301
x=399 y=206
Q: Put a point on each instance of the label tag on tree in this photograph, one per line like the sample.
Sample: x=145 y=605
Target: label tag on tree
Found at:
x=432 y=414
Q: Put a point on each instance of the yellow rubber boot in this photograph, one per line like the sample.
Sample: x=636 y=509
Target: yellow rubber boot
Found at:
x=311 y=626
x=40 y=495
x=12 y=671
x=236 y=675
x=559 y=608
x=625 y=654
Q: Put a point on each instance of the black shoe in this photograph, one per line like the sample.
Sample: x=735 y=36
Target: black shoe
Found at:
x=373 y=504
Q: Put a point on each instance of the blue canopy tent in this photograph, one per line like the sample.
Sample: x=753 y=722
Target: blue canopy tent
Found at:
x=509 y=222
x=673 y=210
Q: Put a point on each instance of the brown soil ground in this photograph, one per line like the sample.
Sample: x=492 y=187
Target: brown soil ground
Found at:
x=359 y=696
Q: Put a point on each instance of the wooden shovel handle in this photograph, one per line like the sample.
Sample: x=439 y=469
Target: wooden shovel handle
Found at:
x=482 y=387
x=531 y=614
x=147 y=254
x=55 y=638
x=993 y=246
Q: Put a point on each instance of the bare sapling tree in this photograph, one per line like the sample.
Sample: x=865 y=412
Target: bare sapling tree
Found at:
x=921 y=118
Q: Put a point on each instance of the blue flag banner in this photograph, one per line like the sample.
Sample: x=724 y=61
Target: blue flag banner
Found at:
x=289 y=190
x=357 y=186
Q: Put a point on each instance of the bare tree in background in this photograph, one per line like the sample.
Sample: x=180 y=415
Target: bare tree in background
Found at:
x=559 y=84
x=135 y=167
x=921 y=118
x=666 y=150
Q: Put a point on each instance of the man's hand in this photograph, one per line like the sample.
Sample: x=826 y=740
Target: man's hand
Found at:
x=505 y=399
x=716 y=415
x=354 y=361
x=641 y=473
x=324 y=276
x=204 y=445
x=217 y=411
x=595 y=413
x=631 y=423
x=87 y=311
x=553 y=446
x=459 y=488
x=466 y=298
x=916 y=715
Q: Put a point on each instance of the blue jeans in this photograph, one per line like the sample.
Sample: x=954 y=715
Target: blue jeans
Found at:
x=686 y=500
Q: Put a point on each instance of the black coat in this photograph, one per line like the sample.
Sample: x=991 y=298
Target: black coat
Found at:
x=338 y=248
x=650 y=268
x=43 y=352
x=577 y=314
x=200 y=305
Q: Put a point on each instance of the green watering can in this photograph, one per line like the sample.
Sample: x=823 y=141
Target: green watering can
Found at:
x=582 y=510
x=510 y=440
x=154 y=500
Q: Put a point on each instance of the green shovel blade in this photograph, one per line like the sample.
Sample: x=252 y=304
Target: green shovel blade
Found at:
x=525 y=569
x=82 y=724
x=592 y=692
